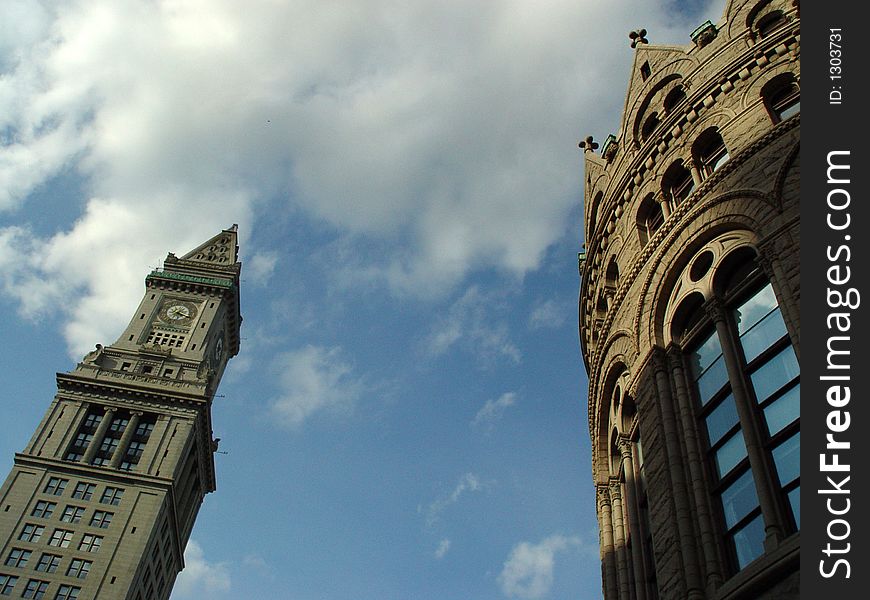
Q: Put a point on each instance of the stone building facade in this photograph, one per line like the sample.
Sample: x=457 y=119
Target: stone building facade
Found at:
x=689 y=322
x=101 y=502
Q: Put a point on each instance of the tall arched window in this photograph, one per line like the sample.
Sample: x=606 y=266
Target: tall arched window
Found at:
x=746 y=382
x=709 y=151
x=782 y=97
x=677 y=184
x=649 y=218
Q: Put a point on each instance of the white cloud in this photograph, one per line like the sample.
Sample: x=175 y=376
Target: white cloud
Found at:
x=260 y=266
x=471 y=320
x=313 y=379
x=469 y=482
x=441 y=550
x=548 y=314
x=493 y=410
x=447 y=127
x=200 y=578
x=528 y=570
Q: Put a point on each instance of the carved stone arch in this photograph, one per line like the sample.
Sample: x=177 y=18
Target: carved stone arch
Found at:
x=723 y=118
x=790 y=169
x=740 y=19
x=651 y=98
x=601 y=426
x=663 y=272
x=752 y=90
x=618 y=349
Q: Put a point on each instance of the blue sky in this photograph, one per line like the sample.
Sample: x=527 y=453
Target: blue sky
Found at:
x=406 y=418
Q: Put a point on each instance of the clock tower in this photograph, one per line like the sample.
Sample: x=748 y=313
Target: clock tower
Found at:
x=101 y=502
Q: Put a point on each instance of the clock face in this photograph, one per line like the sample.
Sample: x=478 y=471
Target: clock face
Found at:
x=177 y=312
x=219 y=349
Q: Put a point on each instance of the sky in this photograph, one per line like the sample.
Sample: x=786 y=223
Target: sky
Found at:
x=406 y=419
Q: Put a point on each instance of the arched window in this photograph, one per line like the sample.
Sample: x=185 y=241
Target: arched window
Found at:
x=746 y=382
x=769 y=22
x=649 y=126
x=782 y=97
x=673 y=99
x=677 y=184
x=709 y=151
x=611 y=275
x=649 y=218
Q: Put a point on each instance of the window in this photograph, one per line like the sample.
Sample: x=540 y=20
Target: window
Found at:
x=17 y=558
x=649 y=218
x=60 y=538
x=48 y=563
x=645 y=71
x=710 y=152
x=67 y=592
x=43 y=509
x=101 y=519
x=769 y=22
x=31 y=533
x=164 y=338
x=112 y=495
x=72 y=514
x=677 y=184
x=55 y=486
x=110 y=440
x=84 y=491
x=136 y=448
x=782 y=97
x=7 y=584
x=649 y=126
x=78 y=568
x=90 y=543
x=673 y=99
x=85 y=435
x=771 y=375
x=35 y=589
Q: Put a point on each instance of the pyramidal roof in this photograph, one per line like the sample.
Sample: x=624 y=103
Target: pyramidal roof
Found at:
x=221 y=250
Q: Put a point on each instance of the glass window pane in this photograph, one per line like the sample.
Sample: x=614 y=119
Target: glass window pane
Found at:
x=775 y=373
x=705 y=354
x=755 y=309
x=794 y=498
x=784 y=410
x=723 y=418
x=749 y=542
x=787 y=457
x=730 y=453
x=763 y=335
x=713 y=380
x=739 y=499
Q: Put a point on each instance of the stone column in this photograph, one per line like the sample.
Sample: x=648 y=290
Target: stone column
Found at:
x=634 y=531
x=758 y=459
x=94 y=446
x=666 y=206
x=772 y=267
x=695 y=458
x=121 y=450
x=611 y=590
x=619 y=540
x=680 y=493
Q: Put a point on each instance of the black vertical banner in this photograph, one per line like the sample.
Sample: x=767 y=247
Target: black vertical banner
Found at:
x=835 y=300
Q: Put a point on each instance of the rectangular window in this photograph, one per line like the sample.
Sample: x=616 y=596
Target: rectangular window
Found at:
x=60 y=538
x=35 y=589
x=7 y=584
x=31 y=533
x=18 y=557
x=101 y=519
x=84 y=491
x=43 y=509
x=72 y=514
x=67 y=592
x=112 y=495
x=90 y=543
x=78 y=568
x=55 y=486
x=48 y=563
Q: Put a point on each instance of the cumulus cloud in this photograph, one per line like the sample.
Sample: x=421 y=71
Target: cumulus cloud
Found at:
x=469 y=482
x=472 y=321
x=528 y=570
x=200 y=578
x=313 y=379
x=493 y=410
x=445 y=129
x=548 y=314
x=441 y=550
x=260 y=266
